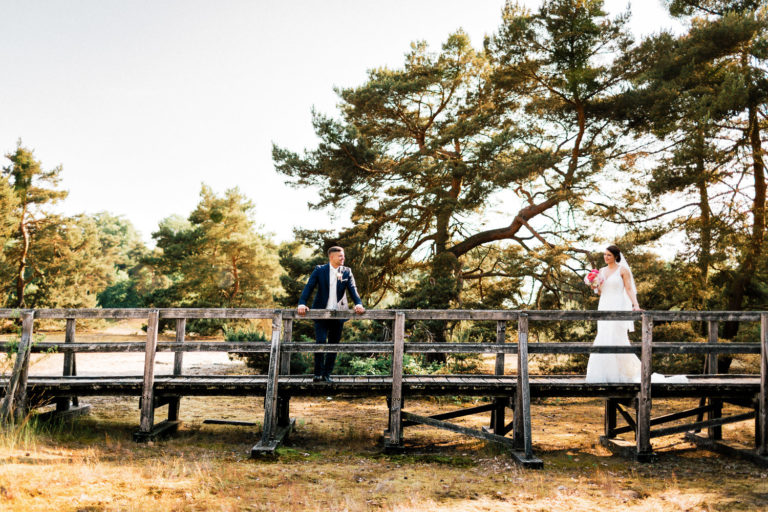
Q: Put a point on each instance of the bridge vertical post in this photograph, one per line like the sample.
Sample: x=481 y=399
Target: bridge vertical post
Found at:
x=64 y=403
x=178 y=364
x=715 y=433
x=610 y=418
x=148 y=392
x=270 y=400
x=497 y=415
x=27 y=327
x=522 y=419
x=762 y=434
x=396 y=399
x=14 y=404
x=644 y=450
x=283 y=400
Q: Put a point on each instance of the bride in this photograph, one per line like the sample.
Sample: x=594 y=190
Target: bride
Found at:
x=617 y=293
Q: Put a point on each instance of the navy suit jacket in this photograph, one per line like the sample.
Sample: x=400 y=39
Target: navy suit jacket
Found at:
x=320 y=280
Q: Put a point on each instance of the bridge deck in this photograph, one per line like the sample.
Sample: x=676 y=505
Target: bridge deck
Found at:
x=723 y=386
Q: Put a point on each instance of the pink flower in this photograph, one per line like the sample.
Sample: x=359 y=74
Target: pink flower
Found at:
x=593 y=279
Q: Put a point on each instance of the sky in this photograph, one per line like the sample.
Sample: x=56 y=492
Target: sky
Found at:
x=142 y=102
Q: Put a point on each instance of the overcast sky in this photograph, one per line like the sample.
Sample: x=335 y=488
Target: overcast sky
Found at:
x=143 y=101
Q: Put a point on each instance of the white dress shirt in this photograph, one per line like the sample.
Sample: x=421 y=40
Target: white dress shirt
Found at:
x=333 y=302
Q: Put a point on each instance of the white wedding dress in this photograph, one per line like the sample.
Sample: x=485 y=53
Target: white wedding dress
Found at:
x=617 y=368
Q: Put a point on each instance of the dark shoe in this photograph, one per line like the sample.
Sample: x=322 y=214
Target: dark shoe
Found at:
x=328 y=379
x=317 y=378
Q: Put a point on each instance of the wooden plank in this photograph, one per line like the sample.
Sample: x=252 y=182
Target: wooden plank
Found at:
x=92 y=313
x=270 y=400
x=22 y=402
x=631 y=424
x=667 y=418
x=231 y=313
x=352 y=348
x=625 y=449
x=479 y=434
x=178 y=365
x=460 y=413
x=231 y=422
x=327 y=314
x=497 y=315
x=644 y=398
x=715 y=432
x=501 y=333
x=677 y=429
x=64 y=403
x=147 y=395
x=396 y=396
x=19 y=374
x=762 y=434
x=285 y=357
x=525 y=460
x=705 y=348
x=163 y=428
x=263 y=448
x=523 y=406
x=498 y=420
x=459 y=314
x=610 y=418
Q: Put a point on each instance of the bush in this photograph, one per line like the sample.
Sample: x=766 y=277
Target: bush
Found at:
x=676 y=364
x=258 y=361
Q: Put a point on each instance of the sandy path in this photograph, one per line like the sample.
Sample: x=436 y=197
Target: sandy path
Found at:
x=128 y=363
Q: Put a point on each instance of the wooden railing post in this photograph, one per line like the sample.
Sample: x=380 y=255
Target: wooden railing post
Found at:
x=762 y=448
x=174 y=404
x=64 y=403
x=644 y=451
x=285 y=357
x=498 y=413
x=715 y=433
x=14 y=405
x=396 y=399
x=283 y=400
x=522 y=421
x=148 y=393
x=270 y=400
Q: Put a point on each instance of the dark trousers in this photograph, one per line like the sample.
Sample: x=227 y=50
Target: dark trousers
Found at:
x=326 y=331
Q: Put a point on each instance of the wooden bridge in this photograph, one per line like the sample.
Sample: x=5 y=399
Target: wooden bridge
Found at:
x=632 y=403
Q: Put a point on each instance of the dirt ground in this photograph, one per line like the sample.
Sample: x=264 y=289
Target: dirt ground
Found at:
x=334 y=461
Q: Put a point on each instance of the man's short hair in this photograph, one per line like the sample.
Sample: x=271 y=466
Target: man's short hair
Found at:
x=334 y=249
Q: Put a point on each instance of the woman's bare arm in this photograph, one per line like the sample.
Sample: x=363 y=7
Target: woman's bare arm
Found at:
x=628 y=287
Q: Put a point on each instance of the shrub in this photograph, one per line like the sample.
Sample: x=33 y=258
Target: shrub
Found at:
x=257 y=361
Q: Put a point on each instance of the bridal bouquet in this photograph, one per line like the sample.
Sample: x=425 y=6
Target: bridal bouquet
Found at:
x=593 y=279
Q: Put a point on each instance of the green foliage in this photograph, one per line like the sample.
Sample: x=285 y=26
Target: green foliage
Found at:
x=259 y=361
x=214 y=259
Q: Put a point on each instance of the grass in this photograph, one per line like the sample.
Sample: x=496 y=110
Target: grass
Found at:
x=333 y=461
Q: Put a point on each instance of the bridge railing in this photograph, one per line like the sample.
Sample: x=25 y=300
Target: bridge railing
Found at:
x=281 y=345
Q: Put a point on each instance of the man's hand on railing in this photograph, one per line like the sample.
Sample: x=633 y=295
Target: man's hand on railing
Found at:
x=359 y=309
x=302 y=310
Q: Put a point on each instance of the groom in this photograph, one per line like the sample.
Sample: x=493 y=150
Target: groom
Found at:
x=332 y=282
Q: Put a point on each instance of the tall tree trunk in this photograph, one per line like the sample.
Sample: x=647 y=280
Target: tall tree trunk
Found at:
x=753 y=251
x=21 y=280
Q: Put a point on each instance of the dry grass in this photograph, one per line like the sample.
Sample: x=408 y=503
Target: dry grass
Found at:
x=334 y=462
